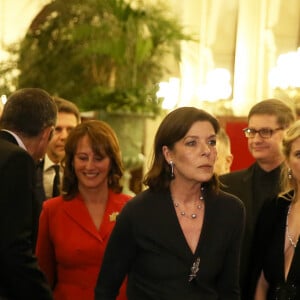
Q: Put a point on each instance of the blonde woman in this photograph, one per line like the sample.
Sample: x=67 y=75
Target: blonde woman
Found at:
x=278 y=234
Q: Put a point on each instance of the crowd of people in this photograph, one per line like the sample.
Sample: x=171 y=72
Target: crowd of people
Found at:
x=197 y=231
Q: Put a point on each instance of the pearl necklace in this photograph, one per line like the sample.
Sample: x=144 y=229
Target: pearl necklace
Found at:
x=194 y=215
x=292 y=242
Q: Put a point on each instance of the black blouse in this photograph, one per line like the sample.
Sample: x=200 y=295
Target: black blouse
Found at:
x=269 y=244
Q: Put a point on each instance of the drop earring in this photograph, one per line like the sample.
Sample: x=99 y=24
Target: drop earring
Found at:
x=171 y=164
x=290 y=175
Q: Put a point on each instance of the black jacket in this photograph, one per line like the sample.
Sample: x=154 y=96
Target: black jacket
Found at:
x=241 y=184
x=20 y=277
x=148 y=244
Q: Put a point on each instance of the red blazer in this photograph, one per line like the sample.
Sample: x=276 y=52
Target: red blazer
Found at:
x=69 y=247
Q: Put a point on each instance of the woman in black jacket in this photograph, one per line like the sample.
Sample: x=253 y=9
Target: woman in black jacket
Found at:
x=179 y=239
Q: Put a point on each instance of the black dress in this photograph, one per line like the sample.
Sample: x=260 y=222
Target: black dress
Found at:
x=271 y=239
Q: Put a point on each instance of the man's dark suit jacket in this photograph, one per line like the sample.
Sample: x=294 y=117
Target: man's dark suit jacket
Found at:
x=240 y=184
x=40 y=190
x=20 y=277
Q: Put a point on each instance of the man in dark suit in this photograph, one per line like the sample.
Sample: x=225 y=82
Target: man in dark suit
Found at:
x=49 y=169
x=27 y=122
x=267 y=121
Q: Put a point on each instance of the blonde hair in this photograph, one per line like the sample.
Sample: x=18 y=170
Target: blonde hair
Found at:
x=292 y=134
x=224 y=139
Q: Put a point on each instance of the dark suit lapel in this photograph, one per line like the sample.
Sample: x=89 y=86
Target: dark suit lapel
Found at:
x=8 y=137
x=39 y=188
x=168 y=227
x=209 y=223
x=247 y=184
x=209 y=214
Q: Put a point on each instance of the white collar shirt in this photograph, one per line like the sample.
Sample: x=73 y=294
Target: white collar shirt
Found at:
x=48 y=176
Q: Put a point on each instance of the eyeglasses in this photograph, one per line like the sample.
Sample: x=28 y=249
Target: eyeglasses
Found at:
x=264 y=133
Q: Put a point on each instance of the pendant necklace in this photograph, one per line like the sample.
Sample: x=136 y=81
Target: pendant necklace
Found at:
x=290 y=238
x=194 y=215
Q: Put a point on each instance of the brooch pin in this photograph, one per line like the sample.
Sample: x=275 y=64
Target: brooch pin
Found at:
x=194 y=269
x=113 y=216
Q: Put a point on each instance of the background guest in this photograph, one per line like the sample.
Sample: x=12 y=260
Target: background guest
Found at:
x=179 y=239
x=224 y=155
x=75 y=227
x=27 y=122
x=267 y=121
x=49 y=172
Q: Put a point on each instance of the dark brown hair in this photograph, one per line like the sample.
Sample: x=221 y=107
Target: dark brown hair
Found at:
x=68 y=107
x=28 y=111
x=104 y=142
x=173 y=128
x=285 y=114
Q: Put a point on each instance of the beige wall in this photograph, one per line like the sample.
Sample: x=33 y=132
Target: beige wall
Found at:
x=16 y=16
x=244 y=36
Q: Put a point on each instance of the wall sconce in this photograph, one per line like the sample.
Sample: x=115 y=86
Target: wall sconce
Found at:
x=4 y=55
x=169 y=91
x=3 y=100
x=286 y=73
x=217 y=86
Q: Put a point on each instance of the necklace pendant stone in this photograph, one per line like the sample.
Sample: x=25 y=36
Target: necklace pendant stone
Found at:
x=193 y=216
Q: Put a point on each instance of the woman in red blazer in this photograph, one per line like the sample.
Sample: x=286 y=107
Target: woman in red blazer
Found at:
x=74 y=228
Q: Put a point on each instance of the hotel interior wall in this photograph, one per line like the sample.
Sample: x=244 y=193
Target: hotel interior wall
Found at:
x=243 y=36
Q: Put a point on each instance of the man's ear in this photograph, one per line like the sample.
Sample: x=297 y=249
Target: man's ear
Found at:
x=38 y=149
x=47 y=133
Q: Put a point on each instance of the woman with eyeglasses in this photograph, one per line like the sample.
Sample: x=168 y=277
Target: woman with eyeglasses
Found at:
x=179 y=239
x=276 y=241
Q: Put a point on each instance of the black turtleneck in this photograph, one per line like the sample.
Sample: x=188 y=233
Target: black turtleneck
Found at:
x=266 y=185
